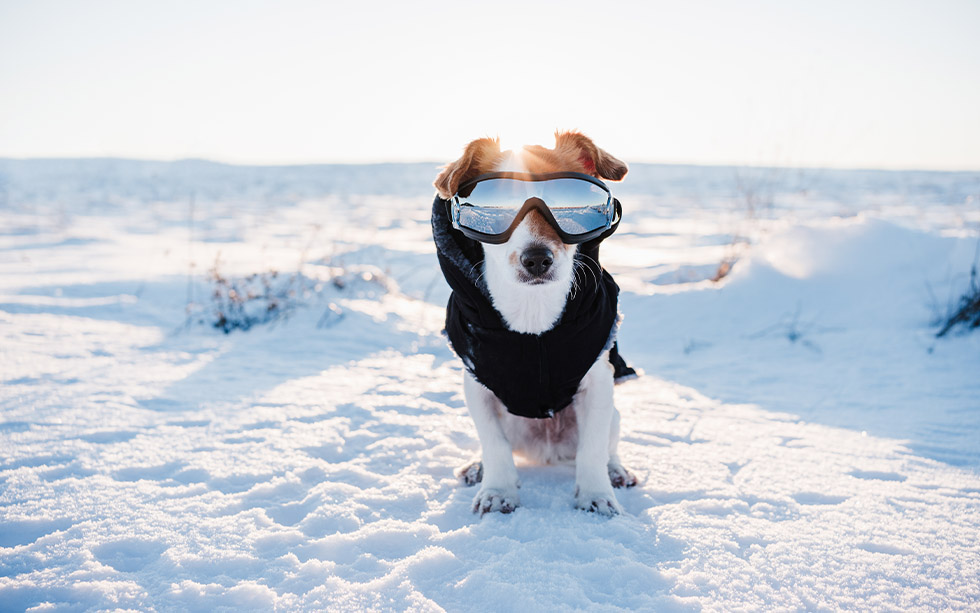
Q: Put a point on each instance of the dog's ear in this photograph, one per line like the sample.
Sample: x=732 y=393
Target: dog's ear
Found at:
x=597 y=162
x=479 y=156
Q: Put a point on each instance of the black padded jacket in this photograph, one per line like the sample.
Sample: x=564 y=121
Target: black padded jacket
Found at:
x=534 y=375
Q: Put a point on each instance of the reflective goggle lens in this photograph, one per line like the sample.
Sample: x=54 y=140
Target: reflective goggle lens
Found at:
x=491 y=205
x=486 y=220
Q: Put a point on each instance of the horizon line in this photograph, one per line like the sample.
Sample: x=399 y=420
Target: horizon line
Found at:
x=247 y=164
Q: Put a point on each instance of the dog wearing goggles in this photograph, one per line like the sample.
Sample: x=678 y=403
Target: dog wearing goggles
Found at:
x=533 y=300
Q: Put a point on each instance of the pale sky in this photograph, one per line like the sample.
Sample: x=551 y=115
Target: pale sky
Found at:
x=883 y=84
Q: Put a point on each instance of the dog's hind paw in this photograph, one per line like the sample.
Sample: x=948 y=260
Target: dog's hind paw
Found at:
x=471 y=474
x=598 y=503
x=620 y=477
x=495 y=501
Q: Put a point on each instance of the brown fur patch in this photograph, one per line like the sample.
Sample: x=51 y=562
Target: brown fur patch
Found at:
x=542 y=230
x=596 y=162
x=574 y=152
x=480 y=156
x=540 y=159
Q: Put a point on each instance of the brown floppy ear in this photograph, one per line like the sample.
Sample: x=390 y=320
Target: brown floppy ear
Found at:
x=479 y=156
x=597 y=162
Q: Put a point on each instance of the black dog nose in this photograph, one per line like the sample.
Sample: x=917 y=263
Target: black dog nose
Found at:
x=536 y=260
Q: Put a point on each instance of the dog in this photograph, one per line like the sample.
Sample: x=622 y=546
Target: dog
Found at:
x=530 y=279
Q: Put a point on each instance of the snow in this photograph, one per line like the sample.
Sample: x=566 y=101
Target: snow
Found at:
x=802 y=439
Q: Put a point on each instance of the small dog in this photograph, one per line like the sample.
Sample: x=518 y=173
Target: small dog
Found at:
x=531 y=280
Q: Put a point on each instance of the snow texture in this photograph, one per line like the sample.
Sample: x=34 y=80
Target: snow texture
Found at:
x=803 y=441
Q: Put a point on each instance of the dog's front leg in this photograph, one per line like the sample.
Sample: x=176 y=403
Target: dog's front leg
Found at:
x=498 y=490
x=594 y=411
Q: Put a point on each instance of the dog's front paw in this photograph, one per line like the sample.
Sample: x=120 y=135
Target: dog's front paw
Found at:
x=598 y=502
x=491 y=500
x=620 y=477
x=471 y=474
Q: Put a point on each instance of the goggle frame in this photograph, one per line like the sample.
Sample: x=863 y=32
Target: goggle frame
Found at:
x=536 y=204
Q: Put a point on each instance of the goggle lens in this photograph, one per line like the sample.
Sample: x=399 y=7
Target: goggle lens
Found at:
x=490 y=206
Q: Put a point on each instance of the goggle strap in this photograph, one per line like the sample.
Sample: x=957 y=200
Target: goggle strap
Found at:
x=591 y=247
x=615 y=223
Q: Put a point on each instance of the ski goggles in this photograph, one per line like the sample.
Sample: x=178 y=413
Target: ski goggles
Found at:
x=489 y=207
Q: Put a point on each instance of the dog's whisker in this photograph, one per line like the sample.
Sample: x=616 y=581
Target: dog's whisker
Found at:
x=575 y=286
x=577 y=268
x=595 y=279
x=589 y=258
x=592 y=272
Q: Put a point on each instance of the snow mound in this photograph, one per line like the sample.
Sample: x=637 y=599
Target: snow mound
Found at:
x=833 y=321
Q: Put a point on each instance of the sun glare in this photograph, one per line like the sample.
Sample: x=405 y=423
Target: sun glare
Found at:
x=517 y=139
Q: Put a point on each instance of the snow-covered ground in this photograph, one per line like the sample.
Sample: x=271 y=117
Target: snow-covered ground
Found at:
x=803 y=441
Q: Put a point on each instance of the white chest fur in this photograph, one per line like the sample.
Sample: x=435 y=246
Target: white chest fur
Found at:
x=531 y=309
